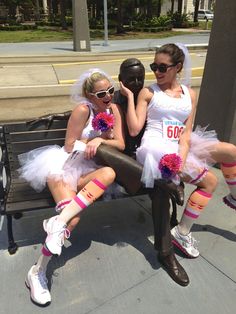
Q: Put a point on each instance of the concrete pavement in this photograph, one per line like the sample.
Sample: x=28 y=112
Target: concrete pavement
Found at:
x=109 y=265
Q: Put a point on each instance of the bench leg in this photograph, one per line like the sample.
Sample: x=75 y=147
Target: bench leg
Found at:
x=12 y=248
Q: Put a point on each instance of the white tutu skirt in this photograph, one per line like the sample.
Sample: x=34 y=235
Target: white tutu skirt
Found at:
x=199 y=158
x=40 y=164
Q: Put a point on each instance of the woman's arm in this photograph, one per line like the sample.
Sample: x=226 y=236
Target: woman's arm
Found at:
x=136 y=117
x=184 y=141
x=75 y=126
x=118 y=139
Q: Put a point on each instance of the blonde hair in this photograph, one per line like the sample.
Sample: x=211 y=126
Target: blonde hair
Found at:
x=89 y=83
x=85 y=84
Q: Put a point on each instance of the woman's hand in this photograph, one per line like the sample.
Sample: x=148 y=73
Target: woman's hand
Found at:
x=91 y=147
x=125 y=91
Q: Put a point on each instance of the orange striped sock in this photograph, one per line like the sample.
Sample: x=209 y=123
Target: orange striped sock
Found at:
x=92 y=191
x=197 y=201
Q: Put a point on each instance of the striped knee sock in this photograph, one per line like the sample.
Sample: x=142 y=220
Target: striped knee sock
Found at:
x=62 y=204
x=92 y=191
x=229 y=172
x=197 y=201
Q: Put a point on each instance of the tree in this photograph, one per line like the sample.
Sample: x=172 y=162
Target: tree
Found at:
x=172 y=6
x=159 y=4
x=119 y=28
x=149 y=7
x=195 y=18
x=63 y=14
x=180 y=6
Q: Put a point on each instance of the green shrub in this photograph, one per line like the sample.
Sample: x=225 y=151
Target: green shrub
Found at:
x=17 y=27
x=160 y=21
x=179 y=20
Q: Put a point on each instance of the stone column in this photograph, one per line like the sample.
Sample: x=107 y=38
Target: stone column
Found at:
x=217 y=99
x=45 y=7
x=81 y=37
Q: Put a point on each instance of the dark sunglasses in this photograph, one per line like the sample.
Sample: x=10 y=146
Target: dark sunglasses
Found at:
x=160 y=67
x=103 y=93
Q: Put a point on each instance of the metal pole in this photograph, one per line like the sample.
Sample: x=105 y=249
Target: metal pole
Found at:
x=105 y=24
x=81 y=37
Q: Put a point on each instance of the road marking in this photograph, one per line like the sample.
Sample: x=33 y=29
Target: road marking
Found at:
x=196 y=72
x=101 y=61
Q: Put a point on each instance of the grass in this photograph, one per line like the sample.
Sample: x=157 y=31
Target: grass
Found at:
x=34 y=36
x=43 y=34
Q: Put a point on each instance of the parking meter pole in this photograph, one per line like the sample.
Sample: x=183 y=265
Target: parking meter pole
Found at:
x=81 y=37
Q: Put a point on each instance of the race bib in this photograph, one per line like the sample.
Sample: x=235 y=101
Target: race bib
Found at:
x=172 y=129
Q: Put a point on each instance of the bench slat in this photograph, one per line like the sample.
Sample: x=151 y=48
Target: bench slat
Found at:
x=12 y=208
x=35 y=136
x=23 y=126
x=22 y=147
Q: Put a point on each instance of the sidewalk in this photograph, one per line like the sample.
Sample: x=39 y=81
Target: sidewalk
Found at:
x=44 y=49
x=111 y=266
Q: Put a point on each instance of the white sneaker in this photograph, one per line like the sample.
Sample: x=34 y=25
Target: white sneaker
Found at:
x=57 y=232
x=187 y=244
x=230 y=201
x=36 y=281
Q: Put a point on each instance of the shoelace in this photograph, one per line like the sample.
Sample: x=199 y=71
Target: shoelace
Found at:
x=192 y=240
x=42 y=279
x=189 y=239
x=62 y=235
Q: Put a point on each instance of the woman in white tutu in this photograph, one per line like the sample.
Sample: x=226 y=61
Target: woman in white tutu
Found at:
x=95 y=120
x=169 y=149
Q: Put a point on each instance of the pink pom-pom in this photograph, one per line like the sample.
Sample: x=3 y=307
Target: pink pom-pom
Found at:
x=103 y=121
x=169 y=165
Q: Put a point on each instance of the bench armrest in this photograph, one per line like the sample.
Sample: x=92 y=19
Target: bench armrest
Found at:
x=3 y=165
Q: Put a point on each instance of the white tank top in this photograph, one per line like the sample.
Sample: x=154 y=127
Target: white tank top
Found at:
x=164 y=108
x=88 y=131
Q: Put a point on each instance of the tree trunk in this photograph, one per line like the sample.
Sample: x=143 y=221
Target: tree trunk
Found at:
x=159 y=3
x=99 y=6
x=36 y=10
x=119 y=28
x=63 y=14
x=180 y=6
x=195 y=18
x=172 y=6
x=149 y=9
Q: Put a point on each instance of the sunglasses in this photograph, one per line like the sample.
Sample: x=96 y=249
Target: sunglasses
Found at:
x=103 y=93
x=160 y=67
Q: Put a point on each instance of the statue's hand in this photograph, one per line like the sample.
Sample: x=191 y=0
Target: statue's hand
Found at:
x=48 y=119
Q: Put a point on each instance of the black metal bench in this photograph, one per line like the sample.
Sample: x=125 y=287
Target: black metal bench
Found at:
x=17 y=196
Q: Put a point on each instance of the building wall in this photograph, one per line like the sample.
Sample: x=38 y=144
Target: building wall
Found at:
x=188 y=6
